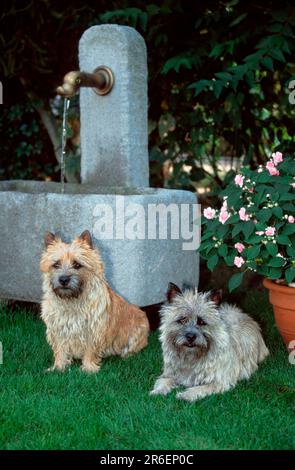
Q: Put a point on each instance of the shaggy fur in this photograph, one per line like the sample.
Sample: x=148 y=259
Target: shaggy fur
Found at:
x=84 y=317
x=207 y=347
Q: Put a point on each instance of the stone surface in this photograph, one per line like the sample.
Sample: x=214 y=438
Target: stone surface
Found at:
x=139 y=270
x=114 y=134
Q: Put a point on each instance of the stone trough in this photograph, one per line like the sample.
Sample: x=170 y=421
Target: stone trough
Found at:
x=114 y=168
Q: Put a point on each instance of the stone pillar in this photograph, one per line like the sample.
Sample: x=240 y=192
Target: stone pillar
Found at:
x=114 y=134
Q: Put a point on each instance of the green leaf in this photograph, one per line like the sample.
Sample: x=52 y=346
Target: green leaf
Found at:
x=268 y=63
x=264 y=215
x=199 y=86
x=212 y=262
x=253 y=252
x=225 y=76
x=277 y=211
x=235 y=281
x=176 y=62
x=291 y=251
x=253 y=239
x=290 y=274
x=237 y=229
x=238 y=19
x=253 y=57
x=287 y=197
x=222 y=250
x=217 y=88
x=277 y=54
x=274 y=273
x=248 y=228
x=207 y=234
x=233 y=197
x=288 y=229
x=272 y=249
x=264 y=178
x=217 y=50
x=222 y=231
x=276 y=262
x=283 y=240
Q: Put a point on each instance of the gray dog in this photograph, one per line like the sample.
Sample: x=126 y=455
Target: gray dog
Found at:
x=207 y=346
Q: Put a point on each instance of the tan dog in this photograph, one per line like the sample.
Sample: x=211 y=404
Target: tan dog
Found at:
x=84 y=317
x=208 y=346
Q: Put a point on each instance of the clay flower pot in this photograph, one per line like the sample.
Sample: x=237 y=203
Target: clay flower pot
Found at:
x=282 y=299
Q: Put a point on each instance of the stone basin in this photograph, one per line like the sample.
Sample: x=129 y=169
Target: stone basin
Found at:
x=138 y=269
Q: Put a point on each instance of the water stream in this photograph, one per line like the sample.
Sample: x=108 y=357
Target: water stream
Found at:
x=64 y=143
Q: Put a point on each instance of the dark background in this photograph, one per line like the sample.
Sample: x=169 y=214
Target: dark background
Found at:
x=218 y=83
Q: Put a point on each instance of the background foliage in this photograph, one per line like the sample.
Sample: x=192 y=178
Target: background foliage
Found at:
x=218 y=83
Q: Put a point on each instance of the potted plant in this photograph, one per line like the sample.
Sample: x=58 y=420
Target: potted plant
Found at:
x=254 y=229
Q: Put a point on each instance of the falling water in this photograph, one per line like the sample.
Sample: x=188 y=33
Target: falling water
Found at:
x=64 y=144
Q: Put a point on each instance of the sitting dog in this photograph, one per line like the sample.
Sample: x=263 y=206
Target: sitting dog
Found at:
x=84 y=317
x=207 y=346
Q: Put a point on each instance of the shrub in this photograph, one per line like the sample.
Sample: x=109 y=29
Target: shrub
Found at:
x=255 y=227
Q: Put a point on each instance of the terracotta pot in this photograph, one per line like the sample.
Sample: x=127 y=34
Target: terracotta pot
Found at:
x=282 y=299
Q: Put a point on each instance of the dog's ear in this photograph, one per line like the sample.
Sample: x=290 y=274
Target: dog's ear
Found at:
x=172 y=291
x=216 y=296
x=86 y=237
x=49 y=238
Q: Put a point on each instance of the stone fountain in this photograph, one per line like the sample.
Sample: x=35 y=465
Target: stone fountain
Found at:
x=114 y=190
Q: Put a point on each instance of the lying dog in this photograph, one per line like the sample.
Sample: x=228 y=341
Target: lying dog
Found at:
x=207 y=346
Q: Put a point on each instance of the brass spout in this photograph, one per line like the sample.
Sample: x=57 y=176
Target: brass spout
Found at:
x=101 y=80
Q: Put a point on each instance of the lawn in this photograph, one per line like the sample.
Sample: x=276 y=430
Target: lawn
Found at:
x=113 y=410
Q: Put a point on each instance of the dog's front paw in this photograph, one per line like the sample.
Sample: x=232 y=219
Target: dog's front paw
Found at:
x=56 y=368
x=187 y=395
x=90 y=367
x=160 y=391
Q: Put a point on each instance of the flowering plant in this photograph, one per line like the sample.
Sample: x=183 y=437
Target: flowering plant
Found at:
x=255 y=227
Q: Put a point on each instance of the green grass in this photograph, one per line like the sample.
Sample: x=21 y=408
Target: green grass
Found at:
x=112 y=410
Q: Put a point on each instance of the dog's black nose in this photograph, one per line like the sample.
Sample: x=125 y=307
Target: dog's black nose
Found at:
x=64 y=280
x=190 y=337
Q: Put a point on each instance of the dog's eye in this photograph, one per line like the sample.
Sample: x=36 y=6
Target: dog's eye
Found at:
x=181 y=320
x=77 y=265
x=201 y=322
x=56 y=265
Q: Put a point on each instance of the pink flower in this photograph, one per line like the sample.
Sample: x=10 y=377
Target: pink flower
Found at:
x=239 y=261
x=223 y=216
x=291 y=219
x=240 y=247
x=270 y=166
x=239 y=180
x=274 y=172
x=277 y=157
x=243 y=215
x=260 y=232
x=224 y=205
x=209 y=213
x=270 y=231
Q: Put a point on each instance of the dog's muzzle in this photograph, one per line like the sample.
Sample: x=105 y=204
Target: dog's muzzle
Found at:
x=66 y=286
